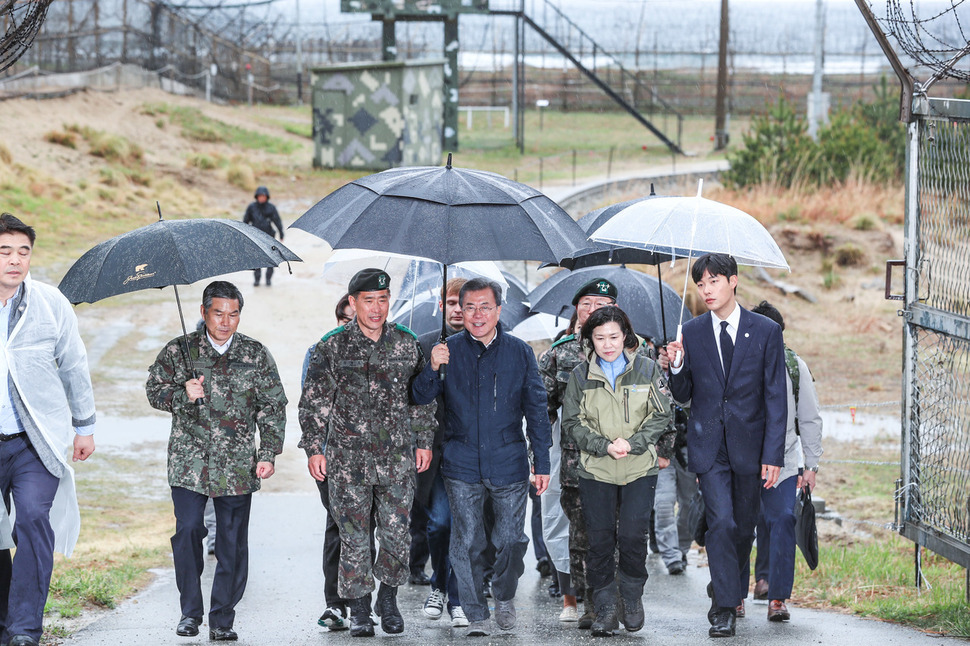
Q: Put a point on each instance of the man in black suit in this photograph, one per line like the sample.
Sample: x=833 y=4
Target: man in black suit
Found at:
x=730 y=366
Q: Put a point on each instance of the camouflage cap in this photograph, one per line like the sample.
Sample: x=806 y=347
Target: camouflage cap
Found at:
x=369 y=280
x=596 y=287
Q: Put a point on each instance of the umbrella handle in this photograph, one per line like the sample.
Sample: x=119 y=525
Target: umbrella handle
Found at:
x=680 y=338
x=201 y=400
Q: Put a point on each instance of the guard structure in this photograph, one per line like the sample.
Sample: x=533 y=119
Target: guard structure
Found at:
x=378 y=115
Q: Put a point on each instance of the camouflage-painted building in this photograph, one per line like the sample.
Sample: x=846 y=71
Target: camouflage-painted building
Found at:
x=378 y=115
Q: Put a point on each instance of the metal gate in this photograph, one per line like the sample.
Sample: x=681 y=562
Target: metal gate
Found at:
x=933 y=500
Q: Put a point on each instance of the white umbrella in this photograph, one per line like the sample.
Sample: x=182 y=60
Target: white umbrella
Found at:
x=689 y=226
x=540 y=327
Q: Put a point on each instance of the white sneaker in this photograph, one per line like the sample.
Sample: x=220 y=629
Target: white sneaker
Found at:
x=435 y=604
x=458 y=618
x=569 y=613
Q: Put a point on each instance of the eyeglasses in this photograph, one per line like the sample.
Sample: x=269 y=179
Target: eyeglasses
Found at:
x=470 y=310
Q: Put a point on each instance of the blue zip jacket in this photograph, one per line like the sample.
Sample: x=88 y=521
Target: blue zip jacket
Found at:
x=487 y=392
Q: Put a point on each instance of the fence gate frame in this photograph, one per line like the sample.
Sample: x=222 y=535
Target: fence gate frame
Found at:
x=932 y=498
x=933 y=493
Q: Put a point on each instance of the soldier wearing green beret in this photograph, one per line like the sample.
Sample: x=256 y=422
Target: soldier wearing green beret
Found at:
x=212 y=449
x=555 y=366
x=357 y=419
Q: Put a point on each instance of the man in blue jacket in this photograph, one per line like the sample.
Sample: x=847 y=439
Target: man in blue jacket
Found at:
x=492 y=382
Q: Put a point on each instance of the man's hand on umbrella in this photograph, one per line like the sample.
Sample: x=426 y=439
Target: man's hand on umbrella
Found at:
x=193 y=388
x=439 y=355
x=264 y=470
x=83 y=447
x=423 y=459
x=668 y=356
x=318 y=467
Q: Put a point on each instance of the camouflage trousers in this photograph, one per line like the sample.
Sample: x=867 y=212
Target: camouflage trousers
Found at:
x=352 y=507
x=578 y=542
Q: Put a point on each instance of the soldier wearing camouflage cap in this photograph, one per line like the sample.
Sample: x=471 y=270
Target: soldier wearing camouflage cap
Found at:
x=212 y=449
x=357 y=420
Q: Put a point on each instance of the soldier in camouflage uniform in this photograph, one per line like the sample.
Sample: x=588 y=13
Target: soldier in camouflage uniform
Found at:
x=212 y=450
x=555 y=366
x=357 y=421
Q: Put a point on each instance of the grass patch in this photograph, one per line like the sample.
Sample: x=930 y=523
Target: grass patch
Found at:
x=5 y=155
x=198 y=126
x=876 y=580
x=241 y=175
x=113 y=148
x=64 y=138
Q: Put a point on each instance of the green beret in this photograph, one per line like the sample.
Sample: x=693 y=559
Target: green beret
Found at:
x=596 y=287
x=369 y=280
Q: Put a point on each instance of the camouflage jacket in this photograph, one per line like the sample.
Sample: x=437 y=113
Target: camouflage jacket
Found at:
x=555 y=366
x=212 y=448
x=356 y=402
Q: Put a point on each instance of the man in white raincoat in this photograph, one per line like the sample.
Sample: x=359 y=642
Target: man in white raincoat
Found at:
x=40 y=349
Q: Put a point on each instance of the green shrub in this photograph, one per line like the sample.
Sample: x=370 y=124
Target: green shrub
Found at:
x=202 y=162
x=864 y=222
x=865 y=139
x=242 y=176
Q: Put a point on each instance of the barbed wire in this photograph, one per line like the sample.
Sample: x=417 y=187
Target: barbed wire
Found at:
x=929 y=41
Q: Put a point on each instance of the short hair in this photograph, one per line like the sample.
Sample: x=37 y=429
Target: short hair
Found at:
x=768 y=310
x=477 y=285
x=221 y=289
x=453 y=286
x=716 y=264
x=610 y=314
x=12 y=224
x=342 y=305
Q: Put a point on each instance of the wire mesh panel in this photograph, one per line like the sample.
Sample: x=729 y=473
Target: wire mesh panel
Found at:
x=936 y=428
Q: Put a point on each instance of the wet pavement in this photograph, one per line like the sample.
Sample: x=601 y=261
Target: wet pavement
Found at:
x=284 y=598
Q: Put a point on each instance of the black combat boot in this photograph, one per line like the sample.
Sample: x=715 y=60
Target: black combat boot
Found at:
x=631 y=604
x=604 y=603
x=360 y=623
x=391 y=620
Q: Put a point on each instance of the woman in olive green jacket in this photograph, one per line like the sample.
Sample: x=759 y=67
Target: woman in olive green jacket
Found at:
x=616 y=413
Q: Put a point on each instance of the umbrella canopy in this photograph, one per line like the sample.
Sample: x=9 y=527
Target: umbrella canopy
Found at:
x=516 y=308
x=638 y=296
x=539 y=327
x=602 y=253
x=446 y=214
x=170 y=252
x=690 y=226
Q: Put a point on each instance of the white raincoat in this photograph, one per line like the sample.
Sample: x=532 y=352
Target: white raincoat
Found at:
x=42 y=351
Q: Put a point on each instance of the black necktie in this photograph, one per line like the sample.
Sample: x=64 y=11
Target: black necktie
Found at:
x=727 y=349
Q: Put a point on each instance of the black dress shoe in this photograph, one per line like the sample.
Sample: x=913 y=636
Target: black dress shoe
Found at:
x=419 y=578
x=222 y=635
x=724 y=622
x=544 y=566
x=22 y=640
x=188 y=627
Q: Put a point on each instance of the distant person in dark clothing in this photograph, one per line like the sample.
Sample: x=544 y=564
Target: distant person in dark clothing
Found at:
x=263 y=215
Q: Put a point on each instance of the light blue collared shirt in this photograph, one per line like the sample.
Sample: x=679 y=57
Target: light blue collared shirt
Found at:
x=612 y=369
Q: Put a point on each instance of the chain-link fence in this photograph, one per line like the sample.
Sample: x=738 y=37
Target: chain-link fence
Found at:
x=935 y=491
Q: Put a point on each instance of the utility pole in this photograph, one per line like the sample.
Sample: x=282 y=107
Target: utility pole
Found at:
x=299 y=57
x=720 y=106
x=817 y=107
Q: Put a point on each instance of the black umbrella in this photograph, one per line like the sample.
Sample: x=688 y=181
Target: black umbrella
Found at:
x=170 y=252
x=515 y=309
x=638 y=296
x=446 y=214
x=603 y=253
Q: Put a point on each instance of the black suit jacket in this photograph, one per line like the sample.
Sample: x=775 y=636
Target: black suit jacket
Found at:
x=748 y=413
